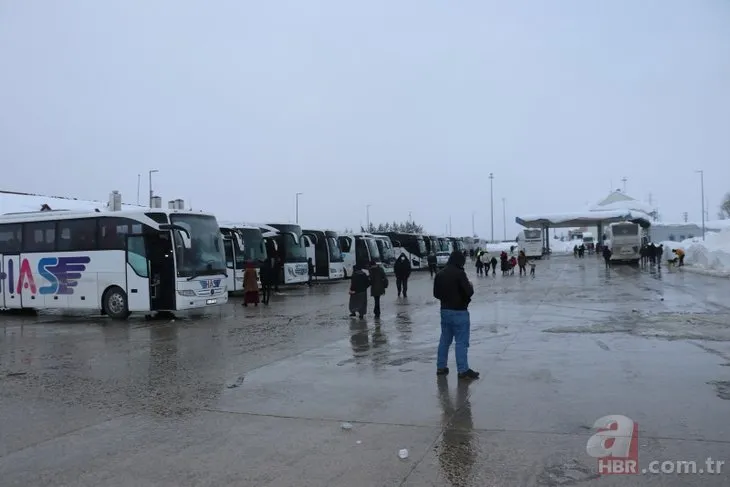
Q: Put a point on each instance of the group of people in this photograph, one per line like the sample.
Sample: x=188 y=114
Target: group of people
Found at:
x=651 y=254
x=267 y=273
x=507 y=264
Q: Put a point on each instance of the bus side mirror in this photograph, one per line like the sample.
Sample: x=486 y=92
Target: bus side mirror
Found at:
x=183 y=232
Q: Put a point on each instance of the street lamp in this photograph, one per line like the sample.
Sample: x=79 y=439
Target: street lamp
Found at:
x=297 y=208
x=473 y=230
x=151 y=193
x=702 y=188
x=491 y=193
x=504 y=217
x=367 y=217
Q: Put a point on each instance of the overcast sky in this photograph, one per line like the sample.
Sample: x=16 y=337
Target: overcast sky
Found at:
x=406 y=105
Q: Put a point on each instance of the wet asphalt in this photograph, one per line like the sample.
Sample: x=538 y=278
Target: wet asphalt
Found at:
x=256 y=396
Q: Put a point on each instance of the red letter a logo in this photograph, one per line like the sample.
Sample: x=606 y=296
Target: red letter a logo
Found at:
x=25 y=278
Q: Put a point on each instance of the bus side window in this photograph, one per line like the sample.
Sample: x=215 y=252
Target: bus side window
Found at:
x=39 y=236
x=361 y=253
x=137 y=256
x=10 y=238
x=76 y=235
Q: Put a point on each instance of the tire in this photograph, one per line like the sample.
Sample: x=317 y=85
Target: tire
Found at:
x=114 y=303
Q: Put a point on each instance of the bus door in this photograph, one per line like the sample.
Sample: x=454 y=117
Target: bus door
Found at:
x=10 y=296
x=163 y=282
x=362 y=254
x=138 y=274
x=230 y=251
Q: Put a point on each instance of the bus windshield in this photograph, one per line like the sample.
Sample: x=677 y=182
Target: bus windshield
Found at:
x=373 y=248
x=625 y=230
x=253 y=242
x=206 y=255
x=422 y=246
x=532 y=234
x=294 y=250
x=334 y=250
x=386 y=252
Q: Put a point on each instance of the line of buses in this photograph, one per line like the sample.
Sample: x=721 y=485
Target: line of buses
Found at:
x=152 y=260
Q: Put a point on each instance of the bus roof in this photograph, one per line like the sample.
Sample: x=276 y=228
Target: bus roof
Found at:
x=47 y=215
x=235 y=225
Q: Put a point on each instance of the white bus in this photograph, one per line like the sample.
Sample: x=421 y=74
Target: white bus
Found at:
x=147 y=260
x=413 y=246
x=323 y=248
x=284 y=242
x=387 y=253
x=243 y=243
x=624 y=239
x=529 y=240
x=360 y=249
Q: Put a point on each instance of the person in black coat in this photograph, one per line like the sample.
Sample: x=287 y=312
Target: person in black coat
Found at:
x=378 y=285
x=359 y=284
x=266 y=273
x=402 y=269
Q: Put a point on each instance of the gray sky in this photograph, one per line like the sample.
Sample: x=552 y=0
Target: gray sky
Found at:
x=406 y=105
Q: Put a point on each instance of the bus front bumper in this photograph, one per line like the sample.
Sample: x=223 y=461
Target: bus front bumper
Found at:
x=219 y=297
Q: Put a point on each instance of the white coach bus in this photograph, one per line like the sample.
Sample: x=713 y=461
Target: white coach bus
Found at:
x=146 y=260
x=529 y=240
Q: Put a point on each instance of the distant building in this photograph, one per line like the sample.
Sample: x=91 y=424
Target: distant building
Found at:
x=676 y=232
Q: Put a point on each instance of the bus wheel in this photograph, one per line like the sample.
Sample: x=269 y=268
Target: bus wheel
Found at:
x=114 y=303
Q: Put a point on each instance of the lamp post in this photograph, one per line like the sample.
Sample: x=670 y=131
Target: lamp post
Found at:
x=151 y=193
x=473 y=230
x=702 y=188
x=297 y=207
x=367 y=217
x=504 y=216
x=491 y=193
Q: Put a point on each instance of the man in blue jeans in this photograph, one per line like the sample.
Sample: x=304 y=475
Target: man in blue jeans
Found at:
x=452 y=287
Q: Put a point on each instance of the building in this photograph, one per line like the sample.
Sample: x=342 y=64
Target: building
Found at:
x=676 y=232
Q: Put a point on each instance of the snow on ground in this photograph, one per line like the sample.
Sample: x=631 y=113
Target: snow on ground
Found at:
x=556 y=246
x=22 y=202
x=711 y=256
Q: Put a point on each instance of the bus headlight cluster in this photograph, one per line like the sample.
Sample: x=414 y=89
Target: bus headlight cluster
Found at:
x=186 y=292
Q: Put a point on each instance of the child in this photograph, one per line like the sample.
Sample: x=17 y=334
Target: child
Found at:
x=512 y=265
x=532 y=269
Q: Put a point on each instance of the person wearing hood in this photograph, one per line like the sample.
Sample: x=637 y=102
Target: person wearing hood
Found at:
x=359 y=284
x=494 y=265
x=402 y=270
x=378 y=285
x=250 y=285
x=453 y=289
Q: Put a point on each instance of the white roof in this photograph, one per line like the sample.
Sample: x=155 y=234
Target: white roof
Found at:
x=624 y=205
x=711 y=224
x=23 y=202
x=581 y=218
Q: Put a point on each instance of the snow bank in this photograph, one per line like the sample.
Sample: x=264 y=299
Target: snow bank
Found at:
x=711 y=256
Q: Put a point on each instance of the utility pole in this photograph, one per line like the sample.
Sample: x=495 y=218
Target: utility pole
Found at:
x=623 y=179
x=702 y=188
x=685 y=217
x=367 y=212
x=410 y=217
x=139 y=180
x=504 y=216
x=491 y=193
x=449 y=226
x=151 y=193
x=297 y=208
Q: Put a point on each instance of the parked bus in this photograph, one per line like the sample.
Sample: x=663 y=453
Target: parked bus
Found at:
x=588 y=241
x=432 y=244
x=387 y=254
x=457 y=243
x=284 y=242
x=624 y=239
x=243 y=243
x=445 y=244
x=119 y=262
x=323 y=248
x=529 y=240
x=412 y=245
x=360 y=249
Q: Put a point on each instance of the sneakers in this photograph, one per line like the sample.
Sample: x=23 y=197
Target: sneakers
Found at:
x=444 y=371
x=469 y=374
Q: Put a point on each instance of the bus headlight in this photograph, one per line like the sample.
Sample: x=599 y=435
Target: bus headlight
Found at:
x=186 y=292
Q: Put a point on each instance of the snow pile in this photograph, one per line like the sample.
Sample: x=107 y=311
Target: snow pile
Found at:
x=711 y=255
x=558 y=247
x=23 y=202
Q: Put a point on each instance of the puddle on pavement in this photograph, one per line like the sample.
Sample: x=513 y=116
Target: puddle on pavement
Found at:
x=569 y=473
x=670 y=326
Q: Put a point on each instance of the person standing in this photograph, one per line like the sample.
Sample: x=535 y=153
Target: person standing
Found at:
x=452 y=287
x=607 y=256
x=522 y=262
x=493 y=261
x=659 y=254
x=378 y=285
x=402 y=270
x=250 y=285
x=267 y=278
x=359 y=284
x=432 y=263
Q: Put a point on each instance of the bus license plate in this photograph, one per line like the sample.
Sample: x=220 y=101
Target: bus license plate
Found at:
x=211 y=301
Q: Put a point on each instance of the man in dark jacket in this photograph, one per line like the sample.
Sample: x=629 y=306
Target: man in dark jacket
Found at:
x=432 y=261
x=402 y=269
x=452 y=287
x=266 y=273
x=378 y=284
x=607 y=256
